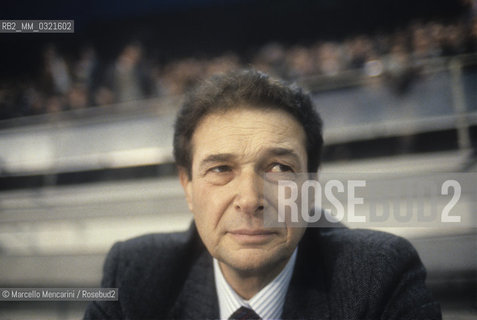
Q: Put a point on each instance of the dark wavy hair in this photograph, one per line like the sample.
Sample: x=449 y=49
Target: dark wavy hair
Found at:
x=249 y=88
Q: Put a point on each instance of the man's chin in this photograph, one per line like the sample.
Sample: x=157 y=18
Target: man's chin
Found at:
x=252 y=260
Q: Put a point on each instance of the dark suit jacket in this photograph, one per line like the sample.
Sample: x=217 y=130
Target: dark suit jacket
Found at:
x=339 y=274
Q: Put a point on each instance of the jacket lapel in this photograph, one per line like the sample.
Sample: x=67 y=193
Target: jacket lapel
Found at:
x=198 y=299
x=307 y=296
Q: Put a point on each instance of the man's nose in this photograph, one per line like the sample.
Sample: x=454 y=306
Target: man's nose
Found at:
x=249 y=194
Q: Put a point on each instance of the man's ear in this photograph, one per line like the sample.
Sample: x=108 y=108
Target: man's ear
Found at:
x=186 y=185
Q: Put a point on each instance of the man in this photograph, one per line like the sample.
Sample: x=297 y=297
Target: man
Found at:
x=231 y=132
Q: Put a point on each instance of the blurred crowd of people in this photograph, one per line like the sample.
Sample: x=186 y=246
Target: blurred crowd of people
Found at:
x=85 y=81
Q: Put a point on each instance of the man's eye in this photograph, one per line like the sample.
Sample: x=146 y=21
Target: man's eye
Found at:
x=220 y=169
x=278 y=167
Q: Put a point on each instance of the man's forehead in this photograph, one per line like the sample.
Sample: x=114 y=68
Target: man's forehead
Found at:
x=245 y=116
x=248 y=130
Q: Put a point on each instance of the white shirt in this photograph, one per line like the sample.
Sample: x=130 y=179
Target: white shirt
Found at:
x=267 y=303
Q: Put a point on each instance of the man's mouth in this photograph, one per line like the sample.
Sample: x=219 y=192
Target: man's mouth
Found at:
x=252 y=236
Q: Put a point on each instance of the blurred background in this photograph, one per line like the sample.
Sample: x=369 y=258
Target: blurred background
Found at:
x=86 y=119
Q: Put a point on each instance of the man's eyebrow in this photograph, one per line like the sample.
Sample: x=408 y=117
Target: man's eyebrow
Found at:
x=218 y=157
x=283 y=152
x=272 y=152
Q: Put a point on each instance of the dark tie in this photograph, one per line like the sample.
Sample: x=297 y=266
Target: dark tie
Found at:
x=244 y=313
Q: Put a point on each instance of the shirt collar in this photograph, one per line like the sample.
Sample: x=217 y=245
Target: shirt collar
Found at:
x=267 y=303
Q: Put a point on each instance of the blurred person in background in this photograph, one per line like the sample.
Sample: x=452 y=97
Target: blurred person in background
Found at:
x=398 y=69
x=56 y=80
x=423 y=44
x=130 y=77
x=300 y=63
x=77 y=97
x=329 y=58
x=87 y=73
x=271 y=59
x=180 y=75
x=7 y=101
x=56 y=72
x=32 y=101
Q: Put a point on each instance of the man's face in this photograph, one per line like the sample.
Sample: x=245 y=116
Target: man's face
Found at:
x=231 y=152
